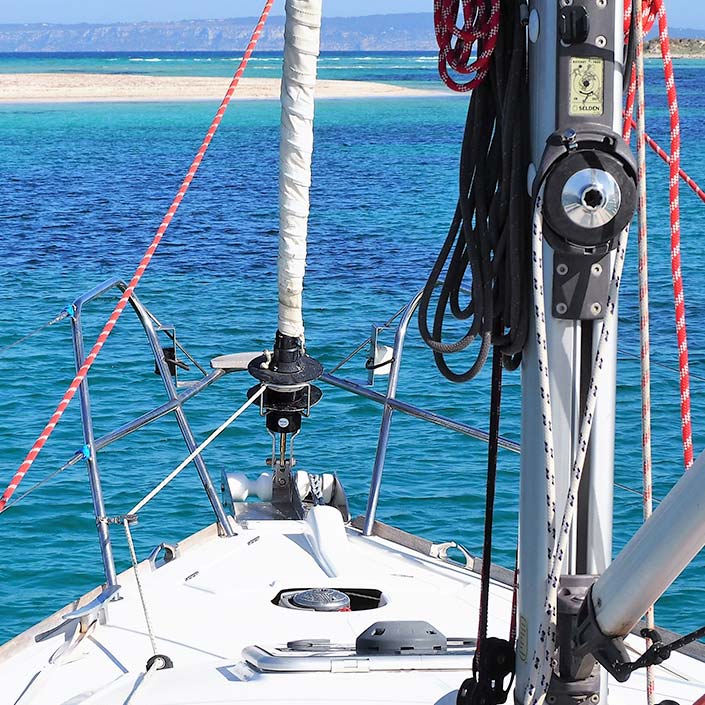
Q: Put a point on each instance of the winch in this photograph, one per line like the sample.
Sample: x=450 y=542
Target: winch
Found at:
x=589 y=181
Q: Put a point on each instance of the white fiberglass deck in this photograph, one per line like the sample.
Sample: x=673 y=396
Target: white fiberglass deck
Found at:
x=215 y=599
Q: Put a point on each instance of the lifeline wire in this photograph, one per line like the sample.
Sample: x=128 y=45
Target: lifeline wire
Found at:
x=146 y=259
x=366 y=341
x=655 y=363
x=36 y=331
x=39 y=484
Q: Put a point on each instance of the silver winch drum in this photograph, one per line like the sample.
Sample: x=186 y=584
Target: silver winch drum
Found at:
x=590 y=190
x=591 y=198
x=316 y=599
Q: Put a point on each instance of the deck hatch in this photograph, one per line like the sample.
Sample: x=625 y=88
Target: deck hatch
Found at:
x=358 y=599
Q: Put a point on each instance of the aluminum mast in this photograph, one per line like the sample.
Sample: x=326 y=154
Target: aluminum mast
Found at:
x=569 y=43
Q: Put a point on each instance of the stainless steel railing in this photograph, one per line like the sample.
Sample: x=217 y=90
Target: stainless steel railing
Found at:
x=173 y=405
x=391 y=404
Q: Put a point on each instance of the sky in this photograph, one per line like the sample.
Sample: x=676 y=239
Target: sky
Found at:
x=62 y=11
x=682 y=13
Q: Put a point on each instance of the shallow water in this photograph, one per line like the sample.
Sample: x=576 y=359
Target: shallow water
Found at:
x=84 y=186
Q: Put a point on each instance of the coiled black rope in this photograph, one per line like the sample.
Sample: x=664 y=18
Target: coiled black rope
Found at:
x=489 y=235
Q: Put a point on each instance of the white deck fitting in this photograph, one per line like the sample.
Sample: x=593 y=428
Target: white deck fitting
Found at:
x=215 y=599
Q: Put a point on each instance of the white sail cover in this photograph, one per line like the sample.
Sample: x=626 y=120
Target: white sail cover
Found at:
x=302 y=41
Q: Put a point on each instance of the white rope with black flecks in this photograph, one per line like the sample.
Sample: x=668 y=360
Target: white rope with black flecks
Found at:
x=316 y=483
x=543 y=657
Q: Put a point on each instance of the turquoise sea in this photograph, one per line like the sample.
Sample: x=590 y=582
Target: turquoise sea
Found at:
x=82 y=189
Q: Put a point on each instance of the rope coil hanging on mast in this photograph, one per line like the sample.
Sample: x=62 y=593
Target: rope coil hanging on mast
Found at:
x=481 y=25
x=487 y=239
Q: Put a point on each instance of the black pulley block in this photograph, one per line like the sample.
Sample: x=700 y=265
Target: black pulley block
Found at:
x=284 y=407
x=493 y=669
x=159 y=662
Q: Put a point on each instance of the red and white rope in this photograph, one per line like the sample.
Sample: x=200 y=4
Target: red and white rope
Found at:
x=456 y=44
x=686 y=178
x=139 y=272
x=652 y=10
x=676 y=270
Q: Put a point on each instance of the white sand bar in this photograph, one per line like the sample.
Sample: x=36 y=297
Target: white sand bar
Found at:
x=89 y=87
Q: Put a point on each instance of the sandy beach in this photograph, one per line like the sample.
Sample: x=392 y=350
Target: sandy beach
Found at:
x=89 y=87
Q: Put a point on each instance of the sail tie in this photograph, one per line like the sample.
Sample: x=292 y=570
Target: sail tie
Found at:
x=139 y=272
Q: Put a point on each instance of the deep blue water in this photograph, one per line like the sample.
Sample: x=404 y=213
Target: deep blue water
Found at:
x=82 y=189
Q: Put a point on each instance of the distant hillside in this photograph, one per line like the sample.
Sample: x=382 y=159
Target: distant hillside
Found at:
x=679 y=47
x=403 y=32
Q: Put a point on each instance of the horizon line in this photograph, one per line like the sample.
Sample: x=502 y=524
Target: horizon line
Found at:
x=205 y=19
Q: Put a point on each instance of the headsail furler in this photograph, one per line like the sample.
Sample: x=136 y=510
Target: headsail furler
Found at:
x=302 y=33
x=287 y=371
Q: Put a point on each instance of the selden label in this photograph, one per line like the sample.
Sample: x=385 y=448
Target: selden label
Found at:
x=587 y=86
